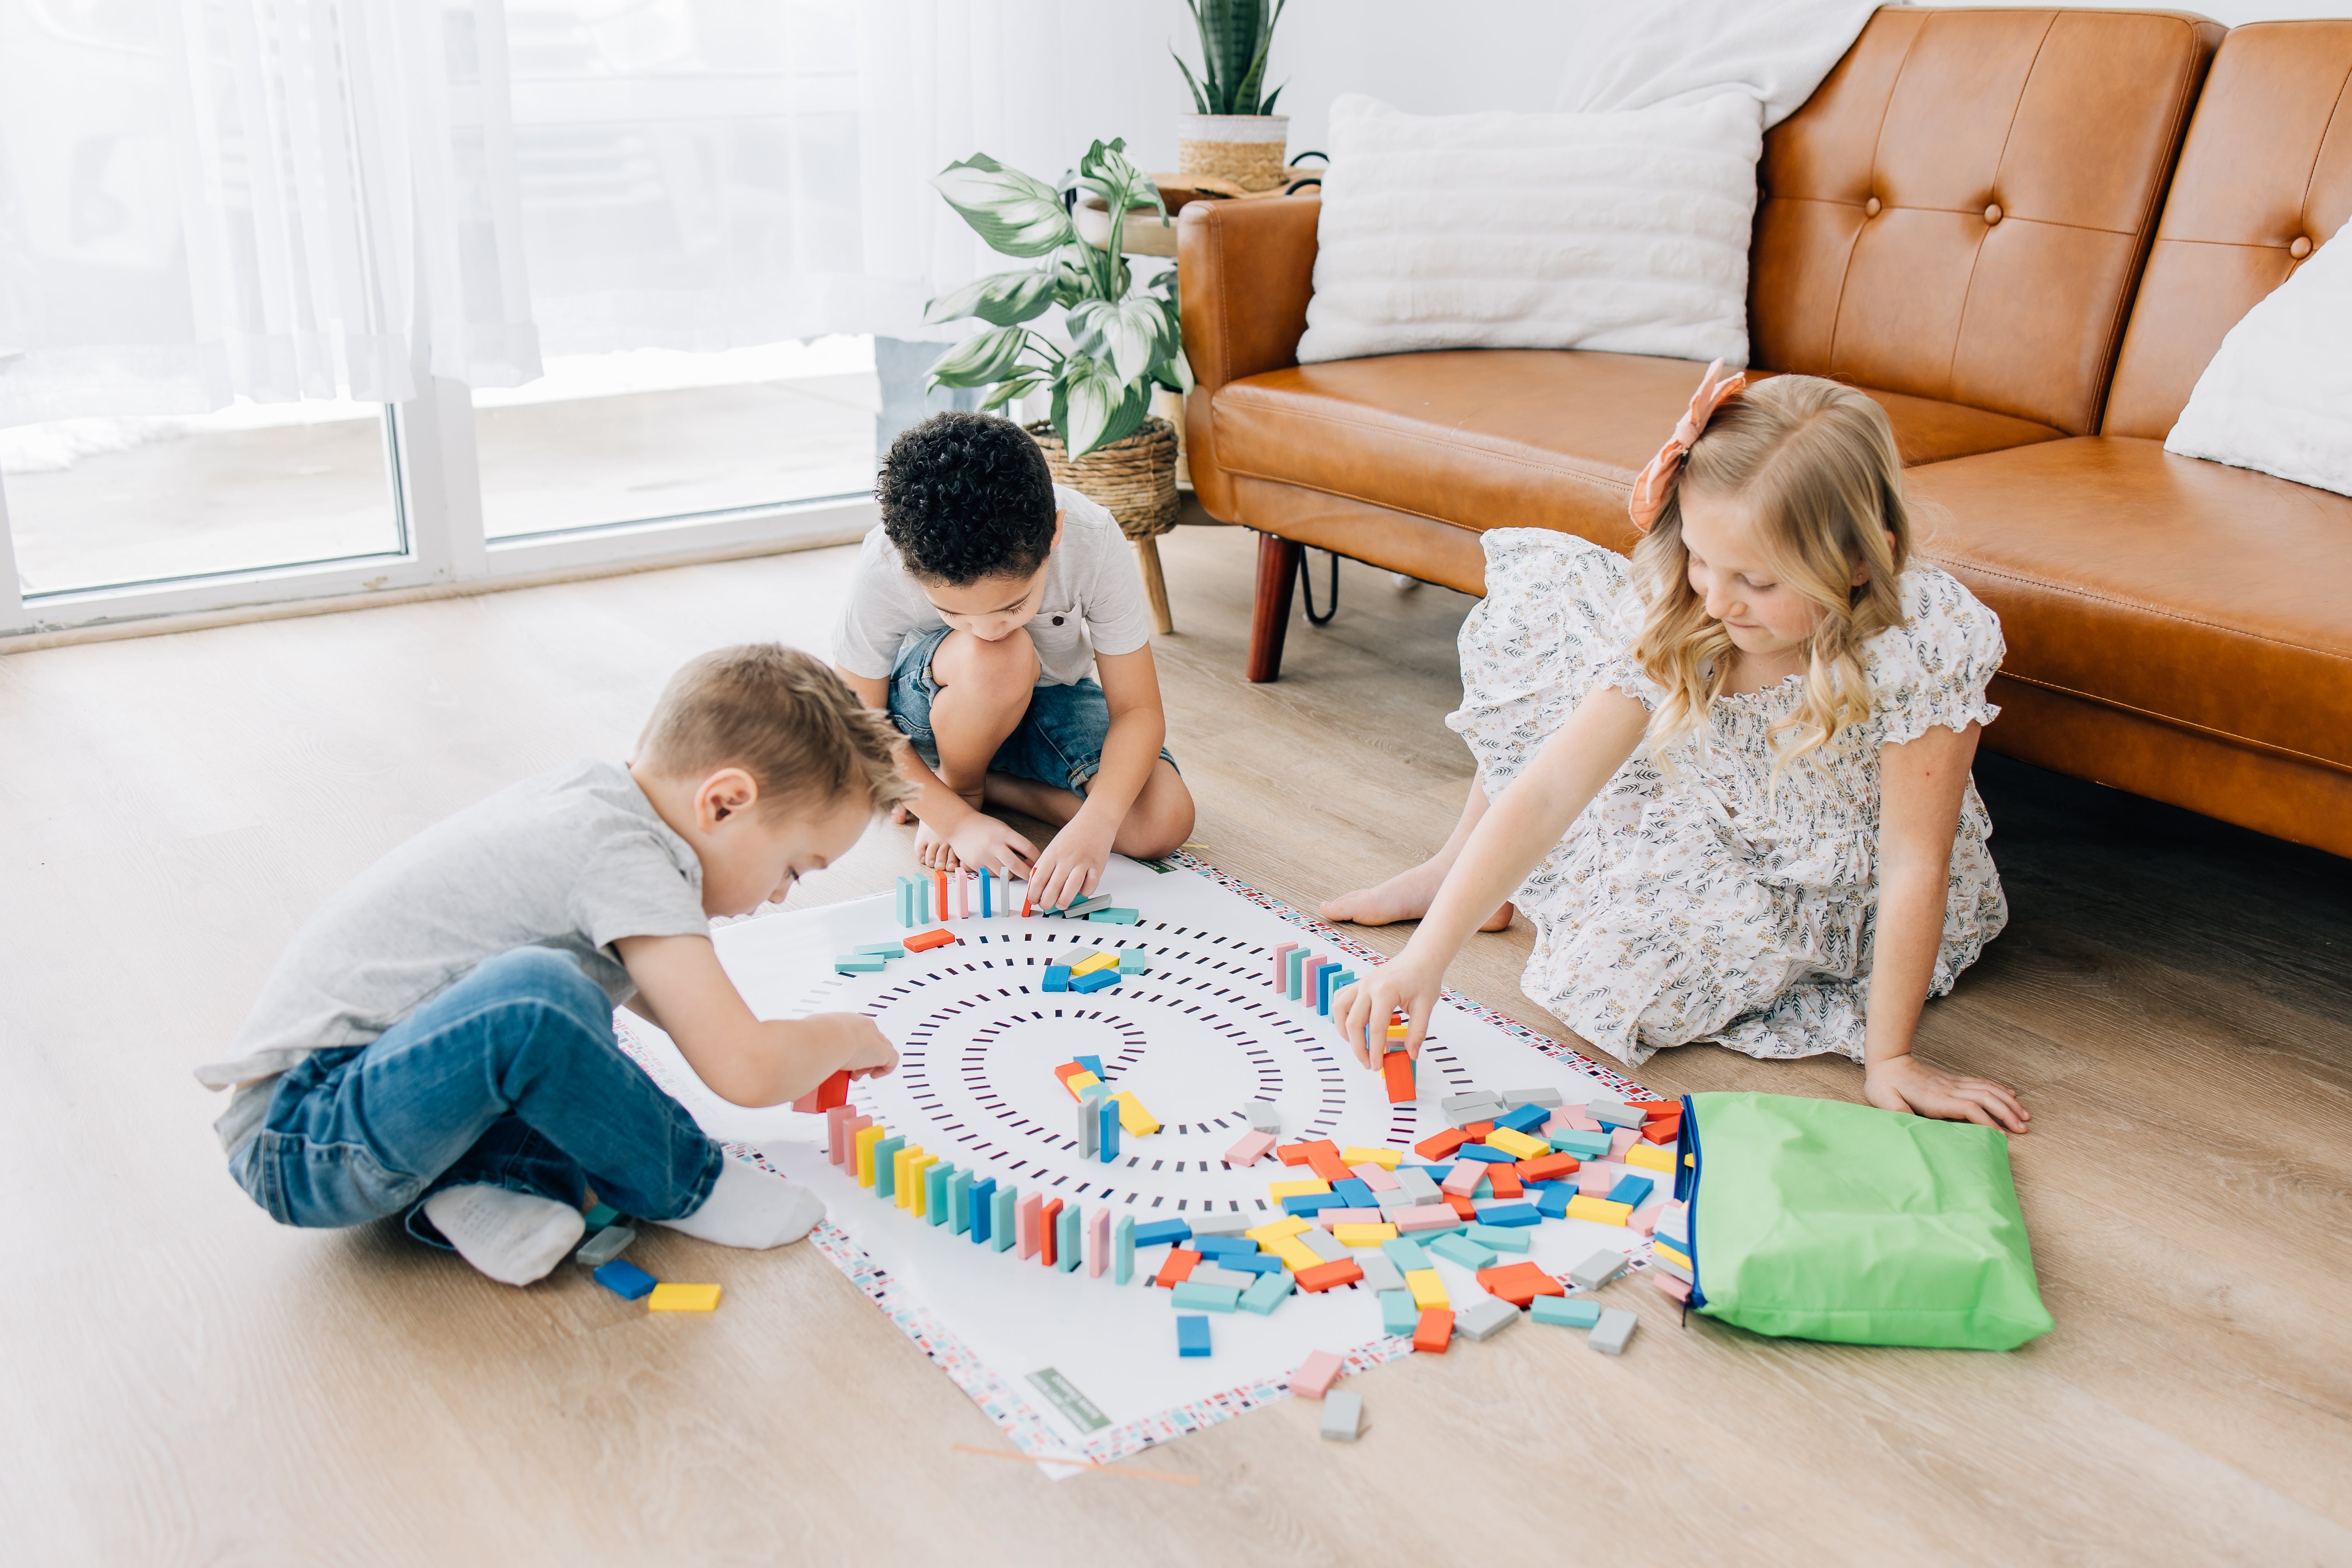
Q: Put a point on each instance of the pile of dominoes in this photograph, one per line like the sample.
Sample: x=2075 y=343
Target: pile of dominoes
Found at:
x=942 y=895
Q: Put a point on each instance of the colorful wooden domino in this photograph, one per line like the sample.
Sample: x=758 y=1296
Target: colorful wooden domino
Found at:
x=1122 y=1242
x=1192 y=1335
x=683 y=1299
x=1315 y=1374
x=940 y=937
x=625 y=1279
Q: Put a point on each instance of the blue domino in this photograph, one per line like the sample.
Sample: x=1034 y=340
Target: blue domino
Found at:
x=1106 y=1135
x=1485 y=1154
x=984 y=1209
x=1161 y=1230
x=1251 y=1262
x=1524 y=1118
x=1001 y=1230
x=1058 y=977
x=1507 y=1214
x=625 y=1279
x=1122 y=1250
x=1354 y=1194
x=1553 y=1205
x=1192 y=1335
x=1217 y=1247
x=1092 y=1064
x=1300 y=1204
x=985 y=910
x=1634 y=1190
x=1397 y=1314
x=1098 y=979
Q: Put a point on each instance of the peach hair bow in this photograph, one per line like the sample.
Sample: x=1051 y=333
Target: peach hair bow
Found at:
x=1654 y=483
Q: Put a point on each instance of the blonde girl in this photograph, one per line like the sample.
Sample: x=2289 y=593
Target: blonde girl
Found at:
x=1728 y=781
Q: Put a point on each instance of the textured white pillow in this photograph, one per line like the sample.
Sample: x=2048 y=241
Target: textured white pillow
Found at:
x=1624 y=231
x=2278 y=393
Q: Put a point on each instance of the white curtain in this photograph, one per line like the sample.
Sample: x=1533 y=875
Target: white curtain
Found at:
x=283 y=199
x=209 y=198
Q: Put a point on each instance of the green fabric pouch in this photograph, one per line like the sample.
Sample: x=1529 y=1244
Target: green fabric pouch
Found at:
x=1814 y=1219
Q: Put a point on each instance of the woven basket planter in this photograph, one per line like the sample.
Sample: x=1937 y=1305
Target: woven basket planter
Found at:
x=1134 y=479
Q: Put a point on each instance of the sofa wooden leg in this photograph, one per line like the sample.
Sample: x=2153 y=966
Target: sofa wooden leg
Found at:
x=1277 y=574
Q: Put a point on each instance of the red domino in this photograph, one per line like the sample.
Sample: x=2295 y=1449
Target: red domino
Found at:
x=1324 y=1276
x=1396 y=1071
x=929 y=939
x=1046 y=1230
x=1178 y=1269
x=1435 y=1331
x=1441 y=1145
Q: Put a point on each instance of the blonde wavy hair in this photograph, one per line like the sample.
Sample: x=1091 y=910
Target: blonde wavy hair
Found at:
x=1814 y=463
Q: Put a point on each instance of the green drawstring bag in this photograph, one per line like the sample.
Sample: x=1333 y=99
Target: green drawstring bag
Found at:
x=1813 y=1219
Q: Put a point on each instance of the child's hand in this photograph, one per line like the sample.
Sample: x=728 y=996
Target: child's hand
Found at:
x=1072 y=865
x=1907 y=1083
x=978 y=840
x=1367 y=1006
x=854 y=1041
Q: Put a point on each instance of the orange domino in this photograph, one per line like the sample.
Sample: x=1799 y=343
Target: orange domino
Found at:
x=1069 y=1070
x=1656 y=1107
x=1518 y=1283
x=1664 y=1132
x=1435 y=1331
x=1046 y=1230
x=1396 y=1075
x=1441 y=1145
x=1323 y=1159
x=929 y=939
x=1178 y=1269
x=1291 y=1154
x=1324 y=1276
x=1477 y=1132
x=1547 y=1168
x=1465 y=1207
x=1506 y=1181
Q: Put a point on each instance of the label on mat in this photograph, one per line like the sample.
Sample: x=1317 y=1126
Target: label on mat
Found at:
x=1066 y=1399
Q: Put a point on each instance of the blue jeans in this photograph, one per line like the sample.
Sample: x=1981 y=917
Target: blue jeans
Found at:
x=1059 y=740
x=511 y=1077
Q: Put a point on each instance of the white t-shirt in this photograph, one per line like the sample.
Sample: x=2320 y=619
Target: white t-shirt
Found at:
x=1093 y=603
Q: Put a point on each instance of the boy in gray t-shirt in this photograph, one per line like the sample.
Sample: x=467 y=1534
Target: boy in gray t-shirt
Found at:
x=981 y=614
x=438 y=1038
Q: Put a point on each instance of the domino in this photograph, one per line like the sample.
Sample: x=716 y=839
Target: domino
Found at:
x=1323 y=1245
x=1544 y=1097
x=1524 y=1118
x=1650 y=1157
x=1251 y=1148
x=1237 y=1279
x=1192 y=1336
x=1568 y=1313
x=683 y=1299
x=1102 y=958
x=1270 y=1291
x=1379 y=1274
x=1397 y=1314
x=1056 y=978
x=886 y=1167
x=1026 y=1217
x=1116 y=917
x=1610 y=1334
x=1049 y=1233
x=1315 y=1374
x=1414 y=1183
x=1205 y=1298
x=1343 y=1417
x=1088 y=906
x=1223 y=1246
x=1356 y=1155
x=1397 y=1077
x=1632 y=1190
x=1178 y=1267
x=1069 y=1239
x=1433 y=1332
x=1484 y=1318
x=1280 y=953
x=1122 y=1264
x=1598 y=1269
x=625 y=1279
x=1467 y=1101
x=1262 y=1117
x=604 y=1245
x=960 y=1203
x=1500 y=1238
x=1132 y=1116
x=1405 y=1253
x=1097 y=980
x=1219 y=1224
x=929 y=939
x=1599 y=1210
x=1609 y=1114
x=1326 y=1276
x=1107 y=1122
x=1428 y=1289
x=1461 y=1249
x=1518 y=1283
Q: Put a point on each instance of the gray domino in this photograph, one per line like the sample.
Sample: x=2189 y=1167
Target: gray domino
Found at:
x=1089 y=1128
x=1612 y=1115
x=1490 y=1316
x=604 y=1245
x=1415 y=1183
x=1323 y=1245
x=1465 y=1101
x=1343 y=1415
x=1219 y=1224
x=1390 y=1203
x=1458 y=1120
x=1209 y=1275
x=1379 y=1274
x=1262 y=1117
x=1609 y=1335
x=1598 y=1269
x=1545 y=1097
x=1088 y=906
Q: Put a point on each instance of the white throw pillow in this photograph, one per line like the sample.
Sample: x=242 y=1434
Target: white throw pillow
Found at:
x=2278 y=395
x=1624 y=231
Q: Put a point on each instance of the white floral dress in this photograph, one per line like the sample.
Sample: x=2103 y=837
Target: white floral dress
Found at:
x=1706 y=903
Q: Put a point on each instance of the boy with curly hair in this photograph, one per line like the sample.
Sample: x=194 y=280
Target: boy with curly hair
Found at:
x=997 y=617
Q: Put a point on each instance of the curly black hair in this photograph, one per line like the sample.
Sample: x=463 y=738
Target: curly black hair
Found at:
x=967 y=496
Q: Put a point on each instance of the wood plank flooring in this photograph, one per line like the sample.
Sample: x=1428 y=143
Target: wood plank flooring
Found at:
x=188 y=1383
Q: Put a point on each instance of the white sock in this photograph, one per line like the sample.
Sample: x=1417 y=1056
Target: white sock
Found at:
x=514 y=1238
x=750 y=1208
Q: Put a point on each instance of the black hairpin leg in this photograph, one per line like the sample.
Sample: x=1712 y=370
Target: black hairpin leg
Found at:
x=1307 y=587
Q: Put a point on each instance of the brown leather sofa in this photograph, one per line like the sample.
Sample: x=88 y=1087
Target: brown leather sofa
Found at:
x=1963 y=222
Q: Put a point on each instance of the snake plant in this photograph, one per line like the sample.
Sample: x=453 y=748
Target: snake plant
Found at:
x=1122 y=343
x=1234 y=37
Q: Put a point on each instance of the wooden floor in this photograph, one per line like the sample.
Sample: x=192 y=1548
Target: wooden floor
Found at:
x=188 y=1383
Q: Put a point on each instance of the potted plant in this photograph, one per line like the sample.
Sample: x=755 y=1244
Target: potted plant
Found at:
x=1236 y=135
x=1099 y=436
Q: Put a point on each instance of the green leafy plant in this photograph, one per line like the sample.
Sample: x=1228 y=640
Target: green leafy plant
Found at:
x=1122 y=343
x=1234 y=37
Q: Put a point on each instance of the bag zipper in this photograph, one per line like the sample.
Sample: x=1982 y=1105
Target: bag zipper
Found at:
x=1689 y=1164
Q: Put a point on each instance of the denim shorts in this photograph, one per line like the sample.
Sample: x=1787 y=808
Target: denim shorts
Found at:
x=1058 y=742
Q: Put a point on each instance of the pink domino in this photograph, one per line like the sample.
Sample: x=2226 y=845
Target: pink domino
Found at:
x=1280 y=953
x=1315 y=1374
x=1375 y=1177
x=1027 y=1216
x=1644 y=1222
x=849 y=1131
x=1252 y=1147
x=1098 y=1244
x=1307 y=972
x=1462 y=1179
x=1668 y=1283
x=1326 y=1218
x=1620 y=1140
x=834 y=1141
x=1594 y=1181
x=1428 y=1216
x=963 y=891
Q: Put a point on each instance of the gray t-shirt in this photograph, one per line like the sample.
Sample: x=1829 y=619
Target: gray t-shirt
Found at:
x=571 y=860
x=1093 y=603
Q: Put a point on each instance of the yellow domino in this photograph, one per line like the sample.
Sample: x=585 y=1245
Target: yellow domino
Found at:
x=1133 y=1116
x=902 y=1164
x=1519 y=1144
x=1386 y=1159
x=918 y=1189
x=1670 y=1252
x=1104 y=960
x=1362 y=1235
x=1428 y=1289
x=1283 y=1229
x=1077 y=1083
x=1600 y=1209
x=683 y=1299
x=1295 y=1256
x=1650 y=1157
x=867 y=1138
x=1278 y=1191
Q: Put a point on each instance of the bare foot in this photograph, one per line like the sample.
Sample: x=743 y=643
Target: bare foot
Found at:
x=1403 y=897
x=932 y=850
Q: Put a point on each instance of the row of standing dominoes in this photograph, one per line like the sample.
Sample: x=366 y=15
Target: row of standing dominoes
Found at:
x=1301 y=976
x=942 y=895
